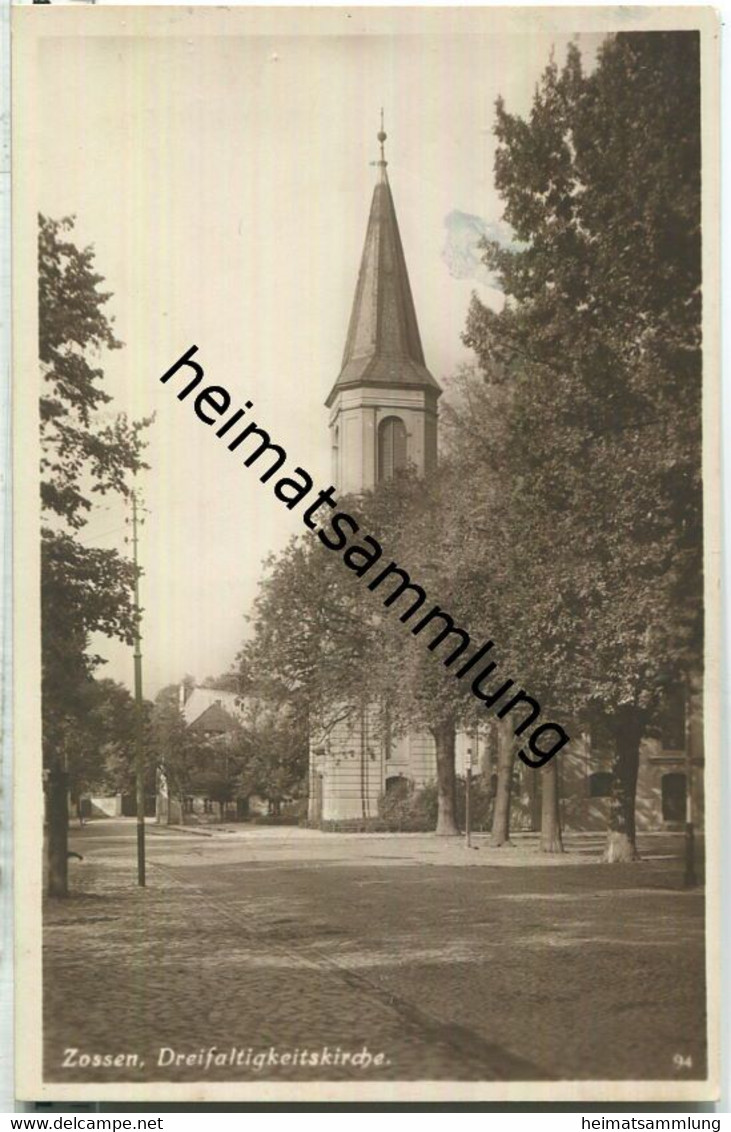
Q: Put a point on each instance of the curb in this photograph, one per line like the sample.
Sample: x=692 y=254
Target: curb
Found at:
x=181 y=829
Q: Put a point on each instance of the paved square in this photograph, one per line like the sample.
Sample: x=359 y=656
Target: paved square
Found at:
x=447 y=962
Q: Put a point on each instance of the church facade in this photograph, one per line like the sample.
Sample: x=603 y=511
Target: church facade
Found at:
x=384 y=416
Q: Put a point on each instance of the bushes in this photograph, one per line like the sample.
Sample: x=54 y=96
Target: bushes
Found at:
x=482 y=802
x=353 y=825
x=275 y=819
x=292 y=812
x=405 y=809
x=401 y=810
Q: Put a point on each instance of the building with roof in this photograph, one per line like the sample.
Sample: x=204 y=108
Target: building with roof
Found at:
x=211 y=711
x=218 y=719
x=214 y=716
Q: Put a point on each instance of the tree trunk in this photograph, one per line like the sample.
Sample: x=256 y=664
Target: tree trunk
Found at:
x=551 y=840
x=57 y=802
x=626 y=727
x=445 y=738
x=530 y=784
x=501 y=815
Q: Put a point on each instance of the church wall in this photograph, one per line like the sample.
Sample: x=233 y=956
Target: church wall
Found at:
x=355 y=769
x=351 y=762
x=430 y=442
x=579 y=810
x=355 y=452
x=422 y=758
x=398 y=761
x=581 y=767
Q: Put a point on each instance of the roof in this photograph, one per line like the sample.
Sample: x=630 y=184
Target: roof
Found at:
x=383 y=346
x=221 y=709
x=214 y=719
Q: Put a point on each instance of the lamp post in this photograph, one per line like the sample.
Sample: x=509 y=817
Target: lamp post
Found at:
x=139 y=745
x=468 y=800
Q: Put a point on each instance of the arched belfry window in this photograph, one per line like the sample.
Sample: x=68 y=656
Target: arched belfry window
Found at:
x=391 y=448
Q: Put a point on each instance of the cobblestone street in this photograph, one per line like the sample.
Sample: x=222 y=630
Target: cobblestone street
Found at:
x=446 y=962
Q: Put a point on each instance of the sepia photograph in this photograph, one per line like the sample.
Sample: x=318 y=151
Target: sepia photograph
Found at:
x=366 y=482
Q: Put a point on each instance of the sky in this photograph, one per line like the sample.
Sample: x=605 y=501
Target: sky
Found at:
x=225 y=182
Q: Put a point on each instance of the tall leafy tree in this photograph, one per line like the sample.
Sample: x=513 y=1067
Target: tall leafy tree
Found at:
x=478 y=518
x=410 y=517
x=332 y=648
x=273 y=753
x=310 y=637
x=84 y=453
x=99 y=740
x=599 y=345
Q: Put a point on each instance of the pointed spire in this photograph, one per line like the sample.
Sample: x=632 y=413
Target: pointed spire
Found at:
x=383 y=346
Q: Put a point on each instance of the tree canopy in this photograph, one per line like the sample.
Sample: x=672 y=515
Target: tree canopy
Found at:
x=84 y=453
x=596 y=356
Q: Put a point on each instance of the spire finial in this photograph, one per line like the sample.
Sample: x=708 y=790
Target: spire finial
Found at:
x=381 y=138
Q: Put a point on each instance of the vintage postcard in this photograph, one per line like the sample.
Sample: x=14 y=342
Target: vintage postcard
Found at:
x=366 y=498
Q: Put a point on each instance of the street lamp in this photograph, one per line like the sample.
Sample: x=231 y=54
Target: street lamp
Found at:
x=139 y=744
x=473 y=757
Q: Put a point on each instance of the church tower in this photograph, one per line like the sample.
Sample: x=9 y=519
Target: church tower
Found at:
x=383 y=417
x=383 y=406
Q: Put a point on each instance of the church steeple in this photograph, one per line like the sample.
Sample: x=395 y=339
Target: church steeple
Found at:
x=383 y=406
x=383 y=346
